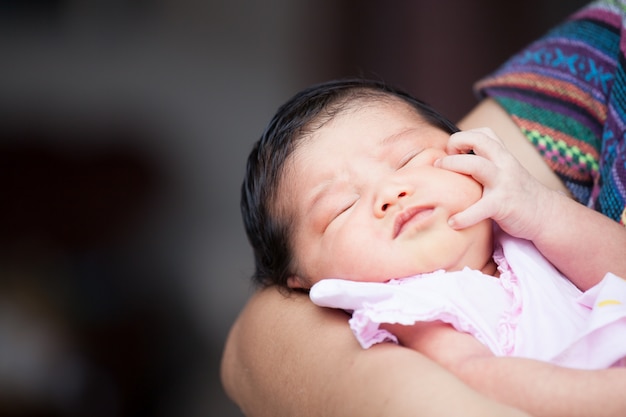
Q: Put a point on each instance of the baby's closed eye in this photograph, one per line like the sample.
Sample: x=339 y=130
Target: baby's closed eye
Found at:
x=408 y=157
x=345 y=207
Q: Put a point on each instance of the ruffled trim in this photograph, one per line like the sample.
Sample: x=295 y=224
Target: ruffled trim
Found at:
x=507 y=327
x=365 y=321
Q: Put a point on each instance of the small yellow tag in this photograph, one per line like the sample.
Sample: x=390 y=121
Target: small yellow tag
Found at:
x=605 y=303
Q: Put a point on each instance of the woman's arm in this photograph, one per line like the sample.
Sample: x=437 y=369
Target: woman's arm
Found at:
x=287 y=357
x=579 y=241
x=544 y=389
x=540 y=388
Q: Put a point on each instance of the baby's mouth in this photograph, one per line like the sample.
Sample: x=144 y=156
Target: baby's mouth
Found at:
x=412 y=216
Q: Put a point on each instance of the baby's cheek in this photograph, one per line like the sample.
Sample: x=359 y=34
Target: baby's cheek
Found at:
x=470 y=190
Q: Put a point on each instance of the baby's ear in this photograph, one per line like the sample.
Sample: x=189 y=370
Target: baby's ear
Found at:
x=296 y=282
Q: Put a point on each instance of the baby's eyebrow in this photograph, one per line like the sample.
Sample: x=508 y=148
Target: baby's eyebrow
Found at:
x=403 y=135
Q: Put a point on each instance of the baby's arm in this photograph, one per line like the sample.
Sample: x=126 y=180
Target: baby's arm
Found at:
x=581 y=242
x=537 y=387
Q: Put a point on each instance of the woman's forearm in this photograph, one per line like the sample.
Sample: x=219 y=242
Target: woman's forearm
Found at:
x=538 y=387
x=543 y=389
x=287 y=357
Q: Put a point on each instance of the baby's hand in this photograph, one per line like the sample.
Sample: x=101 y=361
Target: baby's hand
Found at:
x=511 y=195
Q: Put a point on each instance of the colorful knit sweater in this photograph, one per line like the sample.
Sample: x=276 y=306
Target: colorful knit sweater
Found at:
x=567 y=93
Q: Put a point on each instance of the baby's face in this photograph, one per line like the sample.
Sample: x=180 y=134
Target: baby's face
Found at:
x=369 y=205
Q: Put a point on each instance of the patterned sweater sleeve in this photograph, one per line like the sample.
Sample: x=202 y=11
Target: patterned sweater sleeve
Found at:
x=567 y=93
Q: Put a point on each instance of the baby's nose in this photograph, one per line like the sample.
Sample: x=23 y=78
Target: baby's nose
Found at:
x=387 y=200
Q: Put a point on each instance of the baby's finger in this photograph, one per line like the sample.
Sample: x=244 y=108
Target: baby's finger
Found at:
x=486 y=132
x=470 y=216
x=481 y=142
x=481 y=169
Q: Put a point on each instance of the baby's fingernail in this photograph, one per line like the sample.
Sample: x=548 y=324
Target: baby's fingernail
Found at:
x=437 y=163
x=451 y=222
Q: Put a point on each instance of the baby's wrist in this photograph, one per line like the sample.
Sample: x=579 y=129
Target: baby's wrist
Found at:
x=549 y=209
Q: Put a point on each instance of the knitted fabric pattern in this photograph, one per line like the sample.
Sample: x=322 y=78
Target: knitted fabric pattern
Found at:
x=567 y=93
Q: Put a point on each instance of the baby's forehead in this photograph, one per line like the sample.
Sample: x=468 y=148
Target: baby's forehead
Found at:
x=362 y=125
x=372 y=136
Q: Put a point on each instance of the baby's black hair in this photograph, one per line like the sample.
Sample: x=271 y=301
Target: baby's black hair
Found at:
x=268 y=232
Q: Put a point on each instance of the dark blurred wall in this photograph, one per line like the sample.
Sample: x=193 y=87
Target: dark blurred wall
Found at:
x=124 y=129
x=438 y=49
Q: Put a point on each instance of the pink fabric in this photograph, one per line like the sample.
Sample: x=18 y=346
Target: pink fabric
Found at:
x=531 y=311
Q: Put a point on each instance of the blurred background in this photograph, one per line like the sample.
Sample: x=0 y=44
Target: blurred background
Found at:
x=124 y=129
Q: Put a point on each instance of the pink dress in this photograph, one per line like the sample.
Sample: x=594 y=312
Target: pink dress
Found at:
x=530 y=311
